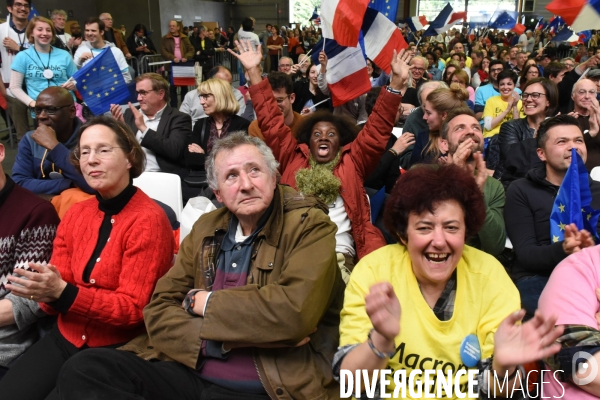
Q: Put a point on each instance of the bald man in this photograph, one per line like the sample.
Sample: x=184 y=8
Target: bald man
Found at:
x=191 y=103
x=585 y=106
x=113 y=35
x=42 y=164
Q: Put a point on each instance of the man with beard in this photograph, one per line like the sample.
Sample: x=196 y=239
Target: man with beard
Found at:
x=63 y=39
x=484 y=92
x=465 y=149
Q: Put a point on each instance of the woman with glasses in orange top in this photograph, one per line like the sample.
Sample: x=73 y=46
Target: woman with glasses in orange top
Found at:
x=108 y=254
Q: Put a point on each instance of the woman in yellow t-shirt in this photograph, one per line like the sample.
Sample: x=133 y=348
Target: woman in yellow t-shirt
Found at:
x=499 y=109
x=451 y=294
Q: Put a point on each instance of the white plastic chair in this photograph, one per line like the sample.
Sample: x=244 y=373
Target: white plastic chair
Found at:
x=163 y=187
x=595 y=174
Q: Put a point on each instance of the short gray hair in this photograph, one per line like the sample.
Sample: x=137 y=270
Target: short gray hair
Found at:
x=230 y=142
x=202 y=28
x=56 y=13
x=431 y=84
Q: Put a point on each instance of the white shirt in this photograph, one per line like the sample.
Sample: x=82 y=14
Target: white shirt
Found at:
x=8 y=57
x=344 y=242
x=151 y=123
x=251 y=36
x=86 y=47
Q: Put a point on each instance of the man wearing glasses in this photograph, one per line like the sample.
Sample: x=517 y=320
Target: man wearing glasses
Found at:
x=42 y=164
x=419 y=65
x=586 y=108
x=13 y=37
x=161 y=129
x=112 y=35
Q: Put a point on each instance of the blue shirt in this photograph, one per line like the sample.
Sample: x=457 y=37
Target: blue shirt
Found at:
x=32 y=66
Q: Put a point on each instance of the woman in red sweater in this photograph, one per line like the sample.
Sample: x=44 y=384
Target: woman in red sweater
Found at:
x=108 y=254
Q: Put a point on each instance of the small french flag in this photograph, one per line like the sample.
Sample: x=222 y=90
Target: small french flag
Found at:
x=347 y=75
x=341 y=20
x=381 y=38
x=444 y=21
x=416 y=23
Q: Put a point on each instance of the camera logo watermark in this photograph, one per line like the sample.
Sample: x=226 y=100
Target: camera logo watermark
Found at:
x=590 y=365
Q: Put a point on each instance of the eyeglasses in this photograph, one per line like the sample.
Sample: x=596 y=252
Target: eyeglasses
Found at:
x=49 y=110
x=582 y=92
x=285 y=65
x=534 y=95
x=144 y=93
x=106 y=19
x=205 y=96
x=419 y=69
x=21 y=5
x=569 y=65
x=280 y=100
x=103 y=152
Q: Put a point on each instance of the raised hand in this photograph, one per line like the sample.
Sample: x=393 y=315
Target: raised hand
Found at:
x=117 y=112
x=383 y=308
x=249 y=56
x=138 y=118
x=516 y=344
x=400 y=69
x=479 y=170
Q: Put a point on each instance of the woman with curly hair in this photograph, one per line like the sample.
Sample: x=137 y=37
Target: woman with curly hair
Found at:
x=453 y=297
x=326 y=160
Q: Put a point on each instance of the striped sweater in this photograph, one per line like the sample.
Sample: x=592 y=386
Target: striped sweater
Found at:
x=27 y=229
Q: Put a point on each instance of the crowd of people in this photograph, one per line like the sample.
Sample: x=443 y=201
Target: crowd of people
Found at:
x=296 y=276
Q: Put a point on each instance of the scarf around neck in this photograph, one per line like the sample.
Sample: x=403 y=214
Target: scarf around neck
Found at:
x=318 y=180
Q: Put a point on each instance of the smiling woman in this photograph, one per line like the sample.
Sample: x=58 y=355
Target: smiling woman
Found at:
x=451 y=293
x=94 y=282
x=41 y=65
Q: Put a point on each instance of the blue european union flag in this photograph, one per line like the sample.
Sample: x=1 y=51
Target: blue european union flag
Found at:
x=32 y=13
x=503 y=20
x=389 y=8
x=572 y=204
x=100 y=83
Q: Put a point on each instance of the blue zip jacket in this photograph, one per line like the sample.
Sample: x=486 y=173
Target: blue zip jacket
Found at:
x=32 y=170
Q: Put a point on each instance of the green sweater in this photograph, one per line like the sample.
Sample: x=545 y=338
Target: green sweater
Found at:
x=492 y=236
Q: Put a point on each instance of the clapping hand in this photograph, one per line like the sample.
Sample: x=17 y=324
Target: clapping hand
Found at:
x=516 y=344
x=576 y=240
x=383 y=308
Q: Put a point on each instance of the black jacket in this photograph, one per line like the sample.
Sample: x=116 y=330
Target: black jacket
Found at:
x=511 y=133
x=527 y=212
x=132 y=45
x=303 y=94
x=195 y=161
x=206 y=56
x=169 y=139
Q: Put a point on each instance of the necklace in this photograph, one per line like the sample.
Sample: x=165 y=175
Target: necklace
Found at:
x=48 y=74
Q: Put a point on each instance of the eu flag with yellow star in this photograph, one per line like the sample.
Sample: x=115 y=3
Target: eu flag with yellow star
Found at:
x=572 y=203
x=389 y=8
x=100 y=83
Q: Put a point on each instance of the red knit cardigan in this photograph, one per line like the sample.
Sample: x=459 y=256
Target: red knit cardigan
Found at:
x=108 y=309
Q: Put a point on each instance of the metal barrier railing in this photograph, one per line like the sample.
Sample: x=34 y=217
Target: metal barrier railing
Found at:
x=151 y=63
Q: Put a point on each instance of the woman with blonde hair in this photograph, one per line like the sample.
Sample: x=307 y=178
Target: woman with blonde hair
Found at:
x=41 y=65
x=219 y=104
x=432 y=148
x=462 y=79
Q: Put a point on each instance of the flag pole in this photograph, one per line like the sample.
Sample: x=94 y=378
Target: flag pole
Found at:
x=324 y=39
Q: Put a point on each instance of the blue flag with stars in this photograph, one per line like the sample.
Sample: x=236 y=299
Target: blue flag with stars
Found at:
x=32 y=13
x=389 y=8
x=572 y=204
x=100 y=83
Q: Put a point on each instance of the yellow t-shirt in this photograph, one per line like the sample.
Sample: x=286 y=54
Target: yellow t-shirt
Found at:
x=485 y=296
x=495 y=106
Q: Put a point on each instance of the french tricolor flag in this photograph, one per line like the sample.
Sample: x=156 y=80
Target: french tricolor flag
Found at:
x=381 y=38
x=347 y=75
x=342 y=19
x=416 y=23
x=444 y=21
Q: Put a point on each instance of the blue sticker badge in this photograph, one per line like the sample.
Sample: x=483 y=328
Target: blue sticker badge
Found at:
x=470 y=352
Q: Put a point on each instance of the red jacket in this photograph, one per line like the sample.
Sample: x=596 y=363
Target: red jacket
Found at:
x=108 y=309
x=358 y=160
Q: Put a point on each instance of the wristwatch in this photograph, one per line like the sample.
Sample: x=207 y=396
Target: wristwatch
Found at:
x=189 y=301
